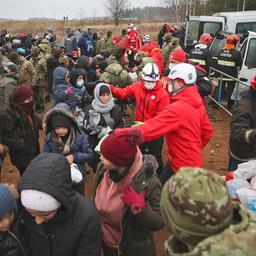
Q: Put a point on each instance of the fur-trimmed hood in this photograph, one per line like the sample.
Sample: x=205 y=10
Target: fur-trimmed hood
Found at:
x=61 y=108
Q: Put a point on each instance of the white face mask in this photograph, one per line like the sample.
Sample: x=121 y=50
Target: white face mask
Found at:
x=149 y=85
x=79 y=83
x=171 y=65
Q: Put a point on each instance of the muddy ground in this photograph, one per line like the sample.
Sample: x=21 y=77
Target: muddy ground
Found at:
x=215 y=158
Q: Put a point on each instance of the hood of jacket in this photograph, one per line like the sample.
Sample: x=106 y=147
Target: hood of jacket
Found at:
x=83 y=62
x=190 y=95
x=61 y=108
x=59 y=75
x=114 y=68
x=50 y=173
x=75 y=72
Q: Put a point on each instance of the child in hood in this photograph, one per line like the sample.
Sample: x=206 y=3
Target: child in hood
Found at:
x=64 y=137
x=9 y=242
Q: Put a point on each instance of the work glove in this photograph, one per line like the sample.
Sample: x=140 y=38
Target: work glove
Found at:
x=135 y=200
x=69 y=90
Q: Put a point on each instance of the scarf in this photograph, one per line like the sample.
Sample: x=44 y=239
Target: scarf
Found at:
x=97 y=105
x=61 y=147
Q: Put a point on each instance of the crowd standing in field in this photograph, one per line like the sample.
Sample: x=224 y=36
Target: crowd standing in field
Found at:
x=92 y=83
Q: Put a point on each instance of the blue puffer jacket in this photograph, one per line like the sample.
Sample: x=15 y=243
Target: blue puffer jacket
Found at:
x=59 y=87
x=80 y=149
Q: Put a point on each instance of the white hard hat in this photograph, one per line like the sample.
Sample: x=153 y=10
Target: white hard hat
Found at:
x=150 y=72
x=185 y=71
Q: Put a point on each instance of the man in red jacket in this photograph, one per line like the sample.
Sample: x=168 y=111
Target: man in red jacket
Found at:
x=132 y=43
x=150 y=99
x=184 y=122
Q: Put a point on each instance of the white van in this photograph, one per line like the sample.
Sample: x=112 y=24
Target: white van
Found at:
x=248 y=69
x=235 y=22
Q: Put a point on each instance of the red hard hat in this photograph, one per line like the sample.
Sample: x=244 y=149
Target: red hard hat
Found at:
x=253 y=83
x=233 y=39
x=205 y=38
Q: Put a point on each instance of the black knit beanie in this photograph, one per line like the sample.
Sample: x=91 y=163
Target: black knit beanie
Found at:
x=60 y=120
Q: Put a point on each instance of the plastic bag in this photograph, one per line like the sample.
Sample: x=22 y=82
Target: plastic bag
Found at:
x=246 y=170
x=76 y=175
x=234 y=185
x=246 y=196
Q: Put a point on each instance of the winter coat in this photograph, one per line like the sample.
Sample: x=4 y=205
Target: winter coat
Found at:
x=52 y=63
x=201 y=55
x=186 y=127
x=70 y=44
x=157 y=56
x=82 y=42
x=10 y=245
x=237 y=239
x=149 y=103
x=242 y=124
x=229 y=61
x=115 y=113
x=83 y=62
x=19 y=135
x=8 y=83
x=59 y=90
x=136 y=230
x=132 y=41
x=75 y=229
x=203 y=82
x=80 y=150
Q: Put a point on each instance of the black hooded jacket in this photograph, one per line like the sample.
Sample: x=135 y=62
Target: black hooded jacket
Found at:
x=75 y=229
x=75 y=72
x=242 y=124
x=83 y=62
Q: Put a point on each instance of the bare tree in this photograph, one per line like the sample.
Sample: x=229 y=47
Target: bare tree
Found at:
x=116 y=9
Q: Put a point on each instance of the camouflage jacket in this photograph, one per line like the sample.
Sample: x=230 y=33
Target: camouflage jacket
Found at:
x=167 y=49
x=8 y=83
x=115 y=74
x=100 y=45
x=26 y=72
x=40 y=64
x=239 y=239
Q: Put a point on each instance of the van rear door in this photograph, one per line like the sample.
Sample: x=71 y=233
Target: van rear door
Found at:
x=197 y=25
x=248 y=69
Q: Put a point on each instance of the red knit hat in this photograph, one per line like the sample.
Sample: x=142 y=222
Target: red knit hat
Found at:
x=120 y=147
x=178 y=55
x=253 y=83
x=22 y=93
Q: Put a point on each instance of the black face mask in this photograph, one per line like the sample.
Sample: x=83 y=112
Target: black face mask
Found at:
x=115 y=176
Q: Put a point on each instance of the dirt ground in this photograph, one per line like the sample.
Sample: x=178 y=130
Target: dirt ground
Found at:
x=215 y=158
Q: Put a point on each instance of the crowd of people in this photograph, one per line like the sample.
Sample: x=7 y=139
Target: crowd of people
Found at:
x=86 y=91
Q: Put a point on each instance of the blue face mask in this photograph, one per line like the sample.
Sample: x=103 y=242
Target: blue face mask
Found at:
x=79 y=83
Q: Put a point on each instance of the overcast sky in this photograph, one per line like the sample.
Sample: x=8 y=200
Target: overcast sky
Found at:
x=24 y=9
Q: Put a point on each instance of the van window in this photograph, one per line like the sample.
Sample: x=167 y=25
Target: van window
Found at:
x=217 y=45
x=193 y=30
x=211 y=27
x=243 y=27
x=251 y=54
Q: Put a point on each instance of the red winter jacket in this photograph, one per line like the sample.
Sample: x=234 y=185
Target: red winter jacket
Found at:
x=186 y=127
x=133 y=41
x=157 y=56
x=149 y=103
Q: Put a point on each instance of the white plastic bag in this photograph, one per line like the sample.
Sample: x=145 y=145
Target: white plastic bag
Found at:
x=246 y=196
x=234 y=185
x=76 y=175
x=246 y=170
x=133 y=76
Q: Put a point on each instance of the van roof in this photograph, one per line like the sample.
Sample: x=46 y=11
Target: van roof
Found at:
x=236 y=14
